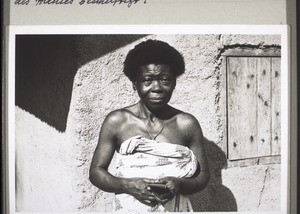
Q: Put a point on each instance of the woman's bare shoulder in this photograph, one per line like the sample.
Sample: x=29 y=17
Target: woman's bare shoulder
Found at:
x=186 y=120
x=189 y=127
x=120 y=116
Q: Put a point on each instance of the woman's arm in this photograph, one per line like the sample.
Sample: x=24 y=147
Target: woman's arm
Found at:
x=107 y=144
x=196 y=144
x=99 y=175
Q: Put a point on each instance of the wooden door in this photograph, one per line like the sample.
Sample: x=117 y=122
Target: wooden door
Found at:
x=253 y=107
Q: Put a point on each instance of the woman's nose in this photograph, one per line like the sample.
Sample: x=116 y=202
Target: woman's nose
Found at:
x=156 y=86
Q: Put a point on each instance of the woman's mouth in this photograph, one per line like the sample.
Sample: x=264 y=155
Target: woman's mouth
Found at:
x=156 y=99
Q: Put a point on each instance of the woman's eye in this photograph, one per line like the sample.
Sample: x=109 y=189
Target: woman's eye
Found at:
x=165 y=80
x=147 y=81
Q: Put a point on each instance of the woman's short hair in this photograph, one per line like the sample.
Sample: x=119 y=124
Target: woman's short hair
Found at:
x=153 y=52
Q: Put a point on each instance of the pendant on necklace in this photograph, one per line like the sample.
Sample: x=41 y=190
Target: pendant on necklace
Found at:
x=150 y=134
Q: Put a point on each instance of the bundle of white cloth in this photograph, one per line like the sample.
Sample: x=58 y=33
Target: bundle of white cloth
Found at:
x=142 y=157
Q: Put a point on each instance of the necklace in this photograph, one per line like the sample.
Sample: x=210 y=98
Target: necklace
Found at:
x=150 y=134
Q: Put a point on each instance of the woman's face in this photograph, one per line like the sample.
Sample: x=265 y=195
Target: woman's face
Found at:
x=155 y=85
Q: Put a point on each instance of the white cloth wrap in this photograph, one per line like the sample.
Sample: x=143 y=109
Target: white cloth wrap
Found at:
x=141 y=157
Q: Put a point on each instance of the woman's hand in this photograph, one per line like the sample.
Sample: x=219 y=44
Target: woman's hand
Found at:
x=138 y=188
x=172 y=183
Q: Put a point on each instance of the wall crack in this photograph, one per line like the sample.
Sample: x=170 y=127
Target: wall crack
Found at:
x=91 y=202
x=263 y=186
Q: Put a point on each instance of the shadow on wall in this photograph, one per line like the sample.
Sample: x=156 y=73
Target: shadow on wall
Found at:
x=46 y=66
x=216 y=197
x=45 y=70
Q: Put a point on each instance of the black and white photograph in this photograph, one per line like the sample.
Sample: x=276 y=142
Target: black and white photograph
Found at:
x=138 y=119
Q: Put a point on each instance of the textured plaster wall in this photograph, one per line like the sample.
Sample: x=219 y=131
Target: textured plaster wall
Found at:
x=44 y=181
x=100 y=87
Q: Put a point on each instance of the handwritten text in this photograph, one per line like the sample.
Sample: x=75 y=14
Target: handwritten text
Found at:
x=39 y=2
x=113 y=2
x=129 y=3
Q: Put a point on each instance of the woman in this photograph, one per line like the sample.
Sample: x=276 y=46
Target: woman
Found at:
x=155 y=143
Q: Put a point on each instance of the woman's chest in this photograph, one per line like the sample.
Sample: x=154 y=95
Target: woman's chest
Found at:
x=168 y=133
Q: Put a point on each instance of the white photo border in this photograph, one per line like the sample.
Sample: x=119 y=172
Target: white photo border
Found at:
x=282 y=30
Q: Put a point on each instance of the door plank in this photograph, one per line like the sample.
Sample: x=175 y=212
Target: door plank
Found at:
x=276 y=139
x=263 y=107
x=242 y=109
